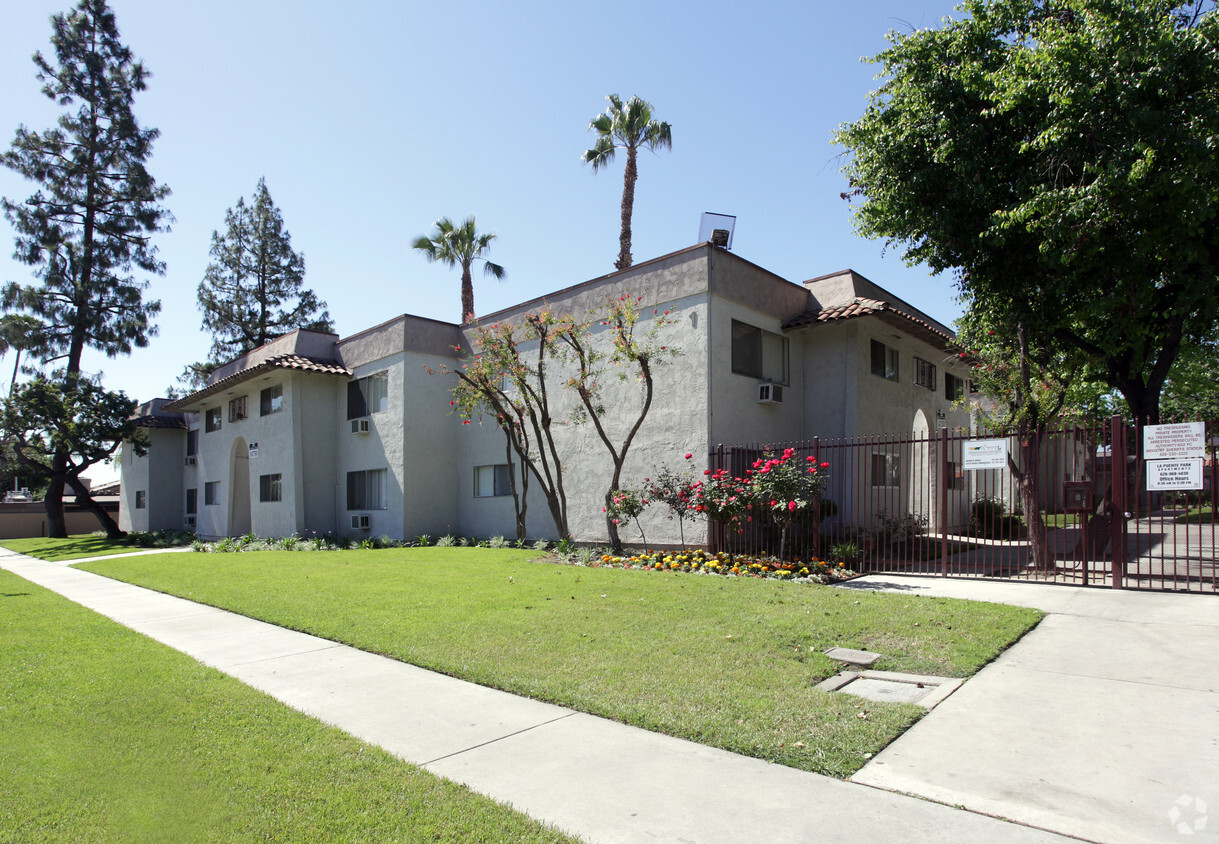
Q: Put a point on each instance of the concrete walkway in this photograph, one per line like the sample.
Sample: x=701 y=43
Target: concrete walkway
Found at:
x=1099 y=723
x=1105 y=741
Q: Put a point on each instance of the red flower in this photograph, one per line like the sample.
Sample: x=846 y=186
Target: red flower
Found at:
x=791 y=505
x=465 y=421
x=688 y=456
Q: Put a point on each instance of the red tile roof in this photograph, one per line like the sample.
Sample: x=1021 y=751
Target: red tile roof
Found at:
x=296 y=362
x=871 y=307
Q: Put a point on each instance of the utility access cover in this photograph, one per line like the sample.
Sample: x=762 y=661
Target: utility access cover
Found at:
x=893 y=687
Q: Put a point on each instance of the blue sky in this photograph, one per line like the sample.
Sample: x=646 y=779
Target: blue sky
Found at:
x=370 y=120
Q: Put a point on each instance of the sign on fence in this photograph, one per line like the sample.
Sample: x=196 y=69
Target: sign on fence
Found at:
x=1174 y=442
x=984 y=454
x=1174 y=474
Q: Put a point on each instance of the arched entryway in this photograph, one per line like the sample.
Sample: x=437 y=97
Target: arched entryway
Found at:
x=240 y=521
x=920 y=494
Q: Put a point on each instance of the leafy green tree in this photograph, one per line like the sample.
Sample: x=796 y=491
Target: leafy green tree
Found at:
x=19 y=333
x=1191 y=391
x=1058 y=155
x=253 y=290
x=460 y=246
x=74 y=416
x=629 y=126
x=88 y=228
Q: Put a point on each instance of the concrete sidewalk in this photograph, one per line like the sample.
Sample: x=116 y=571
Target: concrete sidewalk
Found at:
x=1102 y=723
x=599 y=779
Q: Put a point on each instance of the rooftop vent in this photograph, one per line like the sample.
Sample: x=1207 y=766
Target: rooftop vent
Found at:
x=717 y=228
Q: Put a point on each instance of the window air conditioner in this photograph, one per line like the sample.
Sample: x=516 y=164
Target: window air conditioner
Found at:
x=360 y=426
x=770 y=394
x=190 y=522
x=190 y=460
x=360 y=521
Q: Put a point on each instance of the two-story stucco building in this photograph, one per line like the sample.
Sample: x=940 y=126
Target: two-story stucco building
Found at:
x=355 y=435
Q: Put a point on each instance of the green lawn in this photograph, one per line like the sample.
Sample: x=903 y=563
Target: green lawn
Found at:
x=72 y=548
x=729 y=662
x=1197 y=515
x=109 y=736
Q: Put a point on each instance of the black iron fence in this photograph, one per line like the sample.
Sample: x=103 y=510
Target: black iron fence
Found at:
x=1065 y=505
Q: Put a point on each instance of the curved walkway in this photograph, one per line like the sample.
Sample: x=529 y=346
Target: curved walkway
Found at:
x=608 y=782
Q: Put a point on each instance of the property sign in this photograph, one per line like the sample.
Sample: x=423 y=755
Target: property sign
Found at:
x=1174 y=474
x=984 y=454
x=253 y=450
x=1174 y=442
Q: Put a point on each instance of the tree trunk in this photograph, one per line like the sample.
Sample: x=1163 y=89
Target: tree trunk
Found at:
x=52 y=502
x=628 y=204
x=1028 y=487
x=85 y=499
x=467 y=295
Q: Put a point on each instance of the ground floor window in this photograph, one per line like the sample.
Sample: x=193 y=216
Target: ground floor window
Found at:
x=192 y=502
x=490 y=481
x=886 y=469
x=270 y=487
x=141 y=499
x=366 y=489
x=211 y=492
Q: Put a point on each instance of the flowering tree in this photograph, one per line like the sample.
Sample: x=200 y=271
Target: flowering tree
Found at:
x=497 y=378
x=627 y=504
x=784 y=487
x=673 y=490
x=633 y=357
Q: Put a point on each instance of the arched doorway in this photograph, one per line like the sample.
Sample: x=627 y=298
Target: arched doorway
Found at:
x=240 y=522
x=921 y=493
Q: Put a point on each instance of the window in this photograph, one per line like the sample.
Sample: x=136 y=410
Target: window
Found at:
x=366 y=490
x=492 y=480
x=192 y=502
x=954 y=387
x=211 y=420
x=141 y=499
x=211 y=492
x=237 y=410
x=884 y=361
x=366 y=396
x=192 y=442
x=886 y=470
x=270 y=487
x=924 y=373
x=271 y=400
x=759 y=354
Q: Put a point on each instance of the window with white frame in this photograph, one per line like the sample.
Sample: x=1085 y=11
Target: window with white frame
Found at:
x=759 y=353
x=924 y=373
x=886 y=469
x=366 y=489
x=271 y=487
x=884 y=361
x=211 y=420
x=271 y=400
x=490 y=481
x=366 y=396
x=211 y=492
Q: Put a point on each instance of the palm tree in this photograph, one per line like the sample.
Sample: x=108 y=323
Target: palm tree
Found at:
x=462 y=245
x=627 y=127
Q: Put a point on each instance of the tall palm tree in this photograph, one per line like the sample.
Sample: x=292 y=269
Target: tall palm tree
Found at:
x=460 y=245
x=626 y=126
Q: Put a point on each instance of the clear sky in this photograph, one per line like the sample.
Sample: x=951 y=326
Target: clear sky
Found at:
x=370 y=120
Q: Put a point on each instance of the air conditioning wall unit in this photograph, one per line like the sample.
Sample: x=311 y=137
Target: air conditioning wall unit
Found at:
x=361 y=426
x=190 y=460
x=190 y=522
x=770 y=393
x=360 y=521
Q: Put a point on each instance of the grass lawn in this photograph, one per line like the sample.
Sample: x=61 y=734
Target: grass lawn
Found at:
x=1060 y=520
x=109 y=736
x=729 y=662
x=72 y=548
x=1196 y=515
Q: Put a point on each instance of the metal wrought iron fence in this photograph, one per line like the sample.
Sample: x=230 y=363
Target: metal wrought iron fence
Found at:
x=1067 y=505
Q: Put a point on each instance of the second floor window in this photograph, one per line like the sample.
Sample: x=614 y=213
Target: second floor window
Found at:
x=366 y=396
x=271 y=400
x=884 y=361
x=758 y=353
x=237 y=409
x=924 y=373
x=211 y=420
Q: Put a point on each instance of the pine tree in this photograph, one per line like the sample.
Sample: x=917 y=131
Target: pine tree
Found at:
x=88 y=227
x=253 y=290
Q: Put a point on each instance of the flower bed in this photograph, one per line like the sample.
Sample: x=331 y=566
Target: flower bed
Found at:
x=728 y=565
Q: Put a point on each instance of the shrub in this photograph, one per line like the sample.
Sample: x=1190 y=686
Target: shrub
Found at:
x=446 y=541
x=497 y=542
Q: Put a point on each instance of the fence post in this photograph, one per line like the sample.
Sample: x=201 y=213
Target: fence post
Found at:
x=943 y=476
x=817 y=532
x=1117 y=466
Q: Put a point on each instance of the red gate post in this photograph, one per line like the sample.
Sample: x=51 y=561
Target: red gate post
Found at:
x=1117 y=467
x=943 y=473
